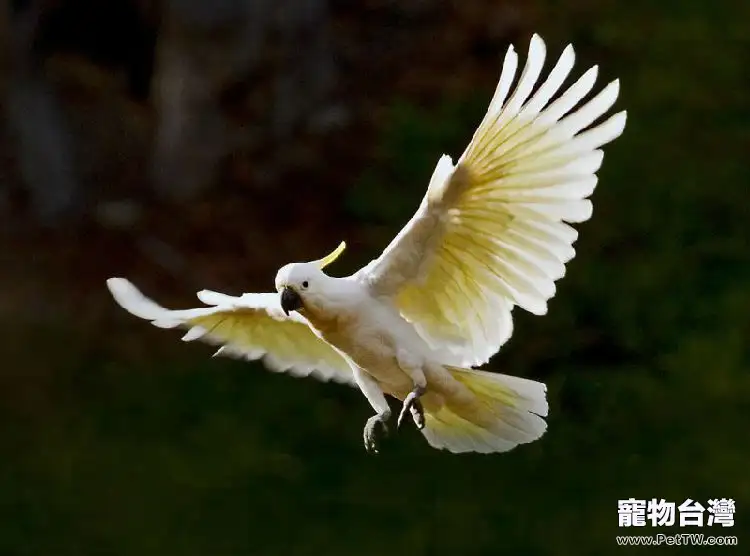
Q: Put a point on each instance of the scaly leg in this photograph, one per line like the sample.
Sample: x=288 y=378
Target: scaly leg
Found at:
x=412 y=367
x=377 y=400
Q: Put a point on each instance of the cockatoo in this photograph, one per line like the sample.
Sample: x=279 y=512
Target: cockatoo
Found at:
x=491 y=232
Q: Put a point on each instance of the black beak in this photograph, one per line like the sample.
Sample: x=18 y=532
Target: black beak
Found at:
x=290 y=300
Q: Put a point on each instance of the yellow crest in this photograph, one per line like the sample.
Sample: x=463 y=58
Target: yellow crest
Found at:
x=328 y=259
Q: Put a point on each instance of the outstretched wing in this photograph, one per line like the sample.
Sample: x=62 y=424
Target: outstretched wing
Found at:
x=252 y=326
x=491 y=231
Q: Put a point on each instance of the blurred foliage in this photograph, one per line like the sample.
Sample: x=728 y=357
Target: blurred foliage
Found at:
x=644 y=350
x=410 y=142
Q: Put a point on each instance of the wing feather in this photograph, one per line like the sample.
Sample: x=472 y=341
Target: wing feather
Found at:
x=492 y=231
x=251 y=326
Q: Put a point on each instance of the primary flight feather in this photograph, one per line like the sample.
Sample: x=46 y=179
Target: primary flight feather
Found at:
x=492 y=232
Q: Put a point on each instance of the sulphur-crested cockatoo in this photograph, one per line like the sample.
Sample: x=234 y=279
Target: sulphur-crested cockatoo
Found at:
x=490 y=233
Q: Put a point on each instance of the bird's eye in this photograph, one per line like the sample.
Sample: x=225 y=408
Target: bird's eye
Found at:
x=305 y=284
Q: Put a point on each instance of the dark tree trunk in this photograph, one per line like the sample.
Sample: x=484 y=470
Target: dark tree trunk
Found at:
x=39 y=136
x=207 y=48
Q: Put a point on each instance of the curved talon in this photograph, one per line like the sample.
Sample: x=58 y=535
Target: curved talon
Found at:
x=417 y=415
x=414 y=406
x=370 y=432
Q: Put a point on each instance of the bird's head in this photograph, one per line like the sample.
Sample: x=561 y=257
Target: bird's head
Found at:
x=304 y=283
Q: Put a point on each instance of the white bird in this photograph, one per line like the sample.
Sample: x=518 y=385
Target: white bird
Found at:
x=491 y=233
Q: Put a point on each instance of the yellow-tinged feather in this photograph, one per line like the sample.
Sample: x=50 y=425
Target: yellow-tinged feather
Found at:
x=491 y=232
x=331 y=257
x=250 y=326
x=506 y=411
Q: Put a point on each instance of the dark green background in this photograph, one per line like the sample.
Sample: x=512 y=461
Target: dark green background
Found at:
x=644 y=350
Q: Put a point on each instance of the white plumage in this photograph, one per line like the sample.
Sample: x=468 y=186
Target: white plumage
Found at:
x=492 y=232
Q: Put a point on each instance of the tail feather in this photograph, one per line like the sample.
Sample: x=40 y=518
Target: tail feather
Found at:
x=524 y=393
x=507 y=411
x=449 y=431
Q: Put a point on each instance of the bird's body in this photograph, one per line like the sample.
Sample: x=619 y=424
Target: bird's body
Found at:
x=490 y=233
x=366 y=330
x=373 y=336
x=383 y=346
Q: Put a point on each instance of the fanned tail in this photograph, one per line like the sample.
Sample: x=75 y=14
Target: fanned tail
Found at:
x=508 y=411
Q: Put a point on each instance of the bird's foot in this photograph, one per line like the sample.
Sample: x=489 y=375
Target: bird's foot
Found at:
x=417 y=415
x=413 y=406
x=370 y=432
